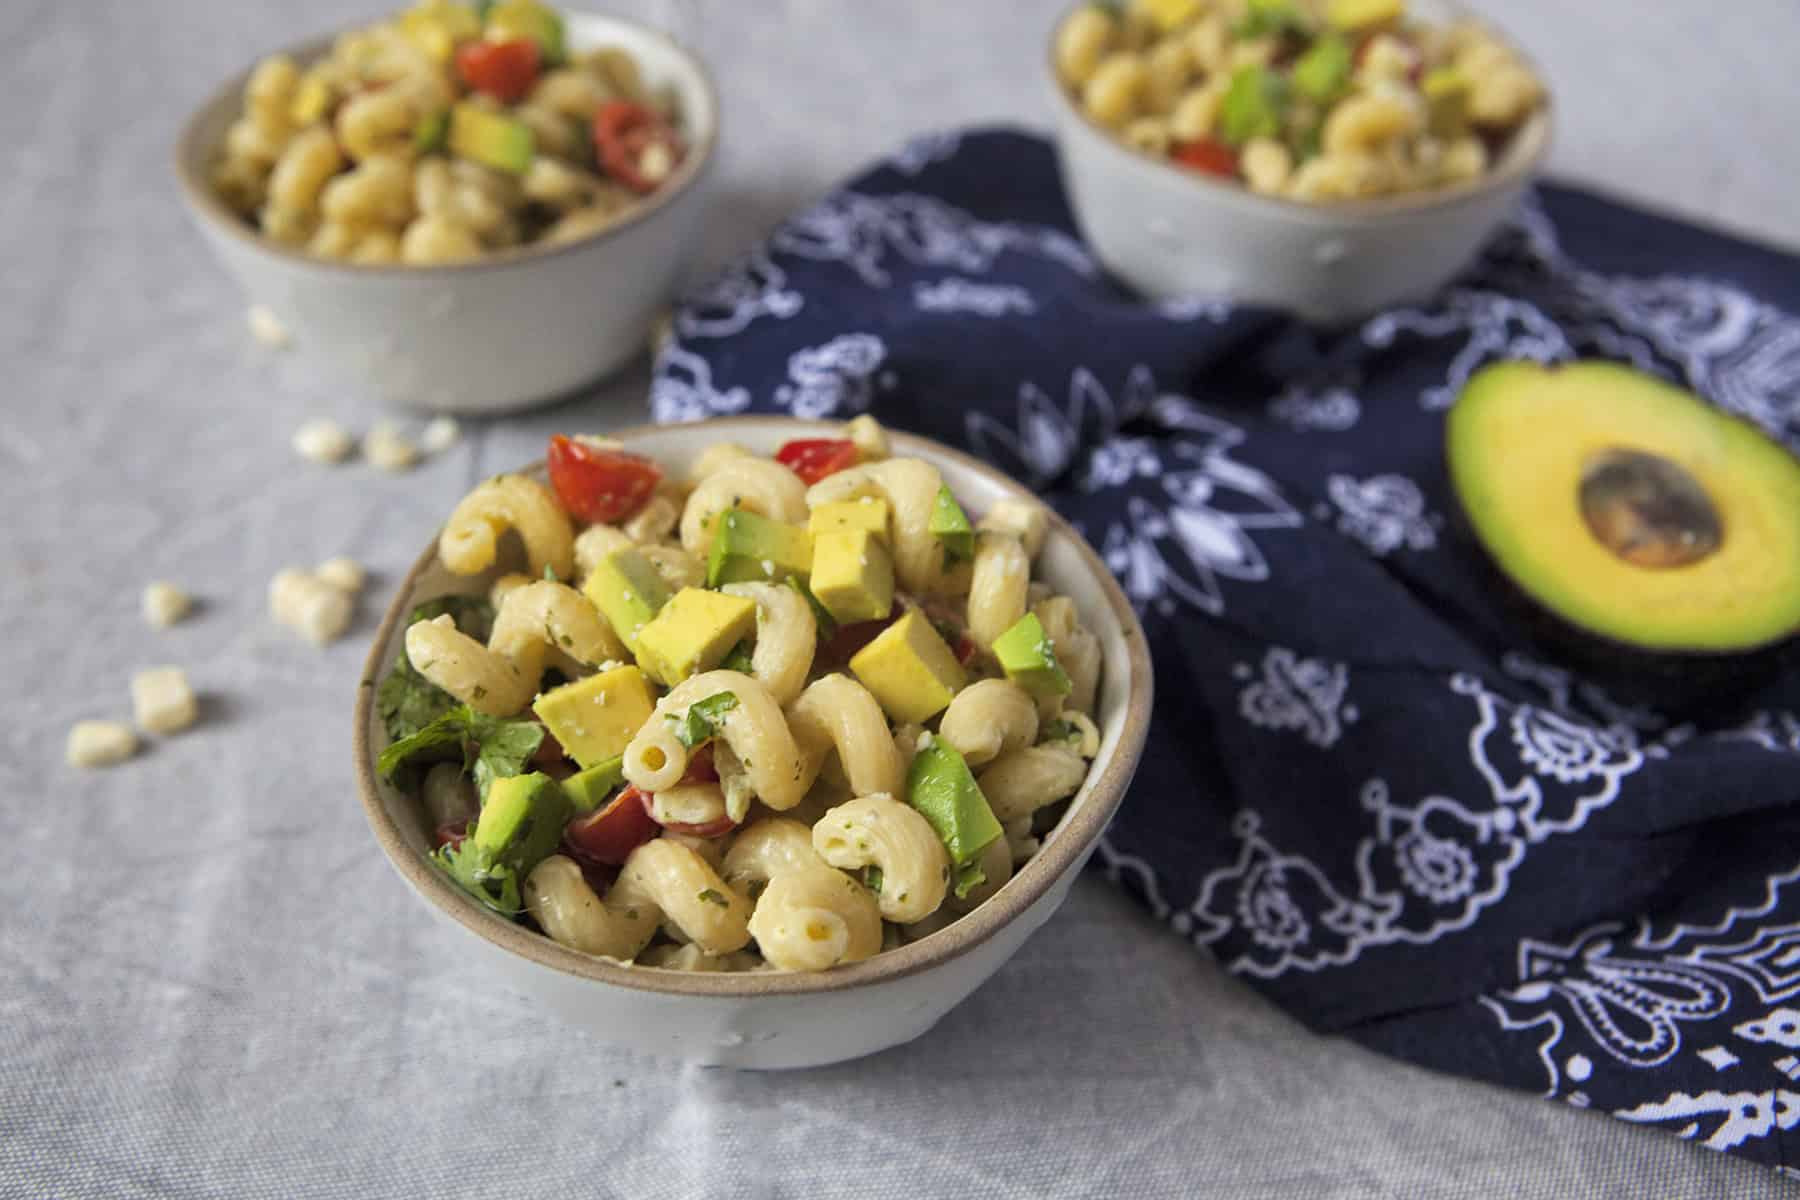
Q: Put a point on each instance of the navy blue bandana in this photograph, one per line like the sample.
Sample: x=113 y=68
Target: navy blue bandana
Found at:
x=1365 y=792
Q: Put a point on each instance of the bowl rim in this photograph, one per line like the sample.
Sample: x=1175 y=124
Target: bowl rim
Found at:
x=1538 y=128
x=1108 y=779
x=189 y=157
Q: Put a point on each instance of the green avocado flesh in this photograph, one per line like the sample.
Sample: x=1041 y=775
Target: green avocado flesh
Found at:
x=1629 y=508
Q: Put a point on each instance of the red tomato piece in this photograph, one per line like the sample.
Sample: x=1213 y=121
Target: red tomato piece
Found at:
x=451 y=833
x=1208 y=155
x=812 y=459
x=623 y=131
x=597 y=485
x=610 y=833
x=965 y=649
x=504 y=70
x=700 y=767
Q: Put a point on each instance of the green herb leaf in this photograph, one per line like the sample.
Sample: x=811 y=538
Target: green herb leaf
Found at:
x=826 y=622
x=1323 y=72
x=703 y=718
x=872 y=878
x=491 y=747
x=1060 y=731
x=550 y=573
x=484 y=877
x=739 y=659
x=1253 y=105
x=406 y=701
x=712 y=896
x=968 y=875
x=1271 y=18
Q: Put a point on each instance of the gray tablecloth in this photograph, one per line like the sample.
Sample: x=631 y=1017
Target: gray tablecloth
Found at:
x=213 y=985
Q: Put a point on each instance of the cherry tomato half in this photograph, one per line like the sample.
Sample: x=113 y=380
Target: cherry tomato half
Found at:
x=623 y=132
x=504 y=70
x=812 y=459
x=610 y=833
x=597 y=485
x=1208 y=155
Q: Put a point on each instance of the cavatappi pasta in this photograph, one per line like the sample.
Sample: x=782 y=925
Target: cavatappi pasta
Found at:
x=443 y=133
x=779 y=714
x=1314 y=100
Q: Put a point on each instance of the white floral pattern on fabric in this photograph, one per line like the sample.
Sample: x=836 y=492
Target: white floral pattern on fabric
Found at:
x=683 y=390
x=1305 y=694
x=1384 y=512
x=837 y=378
x=1740 y=1115
x=954 y=294
x=860 y=231
x=920 y=152
x=1331 y=410
x=1499 y=327
x=750 y=288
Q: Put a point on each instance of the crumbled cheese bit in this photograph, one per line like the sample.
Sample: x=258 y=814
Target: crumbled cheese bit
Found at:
x=164 y=604
x=595 y=442
x=870 y=439
x=439 y=435
x=655 y=163
x=309 y=606
x=387 y=448
x=768 y=568
x=162 y=700
x=323 y=442
x=100 y=743
x=345 y=574
x=267 y=328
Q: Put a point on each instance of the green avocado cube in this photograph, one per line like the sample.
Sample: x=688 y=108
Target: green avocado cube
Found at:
x=940 y=786
x=748 y=548
x=529 y=19
x=693 y=633
x=853 y=576
x=490 y=138
x=628 y=591
x=522 y=821
x=595 y=718
x=1028 y=657
x=909 y=670
x=951 y=525
x=588 y=790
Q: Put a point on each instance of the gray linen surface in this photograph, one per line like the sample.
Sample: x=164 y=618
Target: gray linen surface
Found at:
x=214 y=986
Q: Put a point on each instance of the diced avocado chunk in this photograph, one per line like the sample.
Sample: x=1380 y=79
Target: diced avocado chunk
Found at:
x=628 y=590
x=1446 y=91
x=1028 y=657
x=529 y=19
x=1354 y=16
x=852 y=576
x=595 y=718
x=748 y=548
x=694 y=631
x=1253 y=104
x=908 y=669
x=1170 y=15
x=1323 y=72
x=522 y=820
x=941 y=787
x=432 y=131
x=490 y=139
x=868 y=513
x=951 y=525
x=588 y=790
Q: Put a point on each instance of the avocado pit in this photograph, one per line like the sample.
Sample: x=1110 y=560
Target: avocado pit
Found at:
x=1647 y=510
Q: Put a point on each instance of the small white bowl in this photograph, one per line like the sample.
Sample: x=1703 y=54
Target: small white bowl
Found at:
x=775 y=1019
x=1169 y=231
x=510 y=329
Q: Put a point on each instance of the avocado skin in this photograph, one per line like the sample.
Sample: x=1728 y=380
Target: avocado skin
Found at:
x=1674 y=683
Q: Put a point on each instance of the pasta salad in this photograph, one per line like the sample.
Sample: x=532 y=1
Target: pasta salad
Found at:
x=446 y=132
x=784 y=712
x=1314 y=100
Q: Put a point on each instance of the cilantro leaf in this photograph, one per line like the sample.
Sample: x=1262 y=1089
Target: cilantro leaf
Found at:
x=739 y=659
x=713 y=896
x=826 y=622
x=872 y=878
x=1323 y=72
x=969 y=875
x=484 y=877
x=703 y=718
x=1060 y=731
x=491 y=747
x=1271 y=18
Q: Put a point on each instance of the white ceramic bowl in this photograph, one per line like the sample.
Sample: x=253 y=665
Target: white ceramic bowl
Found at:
x=509 y=329
x=1170 y=232
x=786 y=1019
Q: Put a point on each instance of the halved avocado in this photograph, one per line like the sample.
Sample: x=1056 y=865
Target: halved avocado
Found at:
x=1629 y=508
